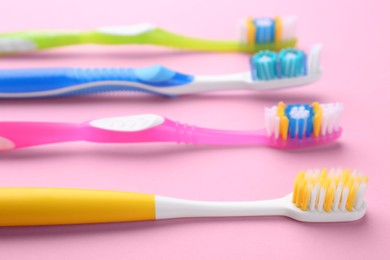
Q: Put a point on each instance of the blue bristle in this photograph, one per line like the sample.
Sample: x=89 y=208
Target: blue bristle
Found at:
x=263 y=65
x=279 y=69
x=265 y=30
x=252 y=64
x=304 y=64
x=301 y=123
x=292 y=127
x=292 y=62
x=309 y=127
x=292 y=121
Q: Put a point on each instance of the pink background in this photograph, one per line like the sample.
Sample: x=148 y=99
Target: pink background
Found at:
x=356 y=63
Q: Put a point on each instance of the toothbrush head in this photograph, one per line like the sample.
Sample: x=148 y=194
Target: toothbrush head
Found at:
x=328 y=196
x=302 y=125
x=262 y=32
x=289 y=64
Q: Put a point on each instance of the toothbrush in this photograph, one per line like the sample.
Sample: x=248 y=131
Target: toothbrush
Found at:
x=255 y=34
x=268 y=71
x=318 y=196
x=287 y=127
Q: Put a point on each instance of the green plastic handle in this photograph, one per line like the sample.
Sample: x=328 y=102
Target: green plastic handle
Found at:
x=157 y=36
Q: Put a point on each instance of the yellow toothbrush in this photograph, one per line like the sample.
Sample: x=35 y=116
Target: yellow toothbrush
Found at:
x=318 y=196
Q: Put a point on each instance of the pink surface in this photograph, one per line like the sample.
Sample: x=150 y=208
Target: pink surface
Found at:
x=356 y=72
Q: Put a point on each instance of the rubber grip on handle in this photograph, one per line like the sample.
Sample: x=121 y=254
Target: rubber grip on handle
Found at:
x=44 y=80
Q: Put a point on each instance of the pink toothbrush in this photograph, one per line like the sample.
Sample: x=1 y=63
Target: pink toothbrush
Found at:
x=287 y=127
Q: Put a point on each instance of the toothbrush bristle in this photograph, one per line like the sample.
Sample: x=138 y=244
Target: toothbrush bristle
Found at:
x=267 y=30
x=289 y=24
x=289 y=63
x=303 y=122
x=313 y=60
x=329 y=190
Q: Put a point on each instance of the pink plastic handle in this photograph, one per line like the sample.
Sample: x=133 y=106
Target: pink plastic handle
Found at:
x=171 y=131
x=25 y=134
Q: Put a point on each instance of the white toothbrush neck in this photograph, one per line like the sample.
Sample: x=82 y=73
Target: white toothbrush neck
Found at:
x=167 y=208
x=243 y=81
x=220 y=82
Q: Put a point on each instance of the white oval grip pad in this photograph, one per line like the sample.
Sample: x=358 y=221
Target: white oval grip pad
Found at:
x=128 y=123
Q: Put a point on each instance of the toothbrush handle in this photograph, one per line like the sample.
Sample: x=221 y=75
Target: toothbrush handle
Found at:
x=20 y=42
x=55 y=206
x=154 y=128
x=25 y=83
x=50 y=206
x=15 y=135
x=124 y=129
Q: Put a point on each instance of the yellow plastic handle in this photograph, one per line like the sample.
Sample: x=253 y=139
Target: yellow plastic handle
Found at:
x=48 y=206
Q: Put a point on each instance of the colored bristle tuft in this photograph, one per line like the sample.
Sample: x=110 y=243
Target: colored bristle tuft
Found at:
x=247 y=31
x=300 y=117
x=289 y=24
x=313 y=60
x=314 y=192
x=278 y=29
x=331 y=114
x=289 y=63
x=264 y=65
x=302 y=121
x=265 y=30
x=292 y=63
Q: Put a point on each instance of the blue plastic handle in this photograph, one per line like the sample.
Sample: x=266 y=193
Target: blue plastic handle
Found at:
x=43 y=80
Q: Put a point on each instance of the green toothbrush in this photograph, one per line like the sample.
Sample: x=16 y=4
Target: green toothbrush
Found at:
x=256 y=34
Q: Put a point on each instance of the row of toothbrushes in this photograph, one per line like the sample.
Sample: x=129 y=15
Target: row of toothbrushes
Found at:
x=268 y=70
x=318 y=195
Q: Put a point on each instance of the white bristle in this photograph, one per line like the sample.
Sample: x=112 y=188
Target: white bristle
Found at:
x=324 y=123
x=277 y=126
x=272 y=123
x=13 y=45
x=243 y=30
x=332 y=120
x=321 y=199
x=314 y=196
x=344 y=197
x=331 y=114
x=314 y=59
x=269 y=123
x=337 y=196
x=289 y=24
x=360 y=196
